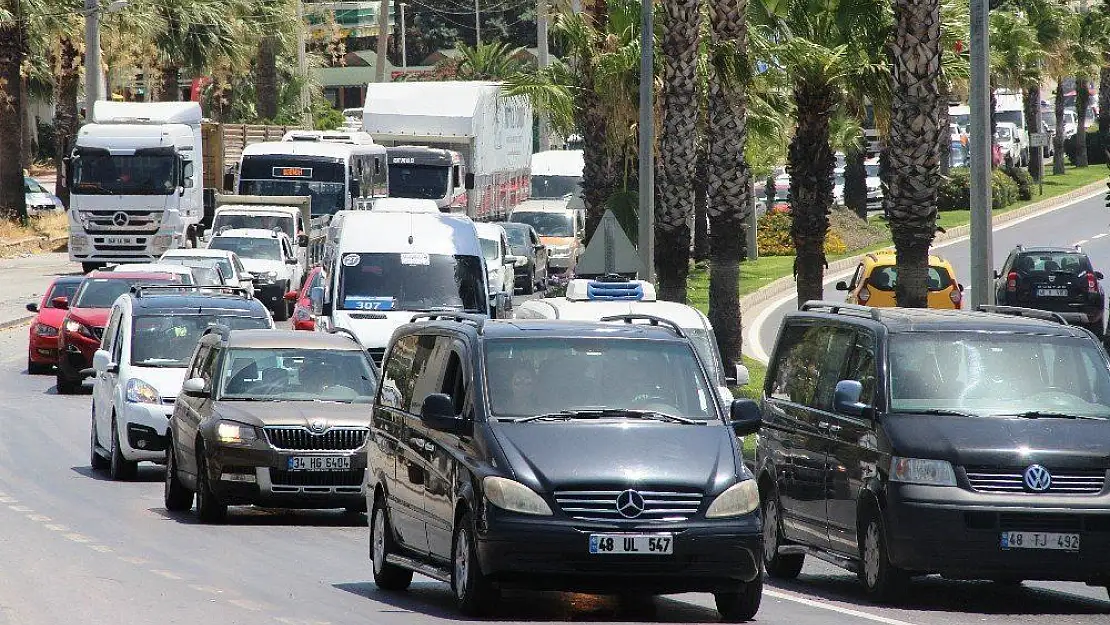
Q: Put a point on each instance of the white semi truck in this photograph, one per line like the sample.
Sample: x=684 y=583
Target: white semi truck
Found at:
x=462 y=144
x=134 y=182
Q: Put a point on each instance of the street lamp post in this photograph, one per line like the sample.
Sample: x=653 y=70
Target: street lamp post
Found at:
x=404 y=44
x=646 y=241
x=94 y=76
x=981 y=257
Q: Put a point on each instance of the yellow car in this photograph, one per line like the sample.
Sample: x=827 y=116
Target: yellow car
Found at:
x=876 y=276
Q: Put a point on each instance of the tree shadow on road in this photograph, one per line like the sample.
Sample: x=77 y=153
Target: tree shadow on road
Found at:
x=435 y=599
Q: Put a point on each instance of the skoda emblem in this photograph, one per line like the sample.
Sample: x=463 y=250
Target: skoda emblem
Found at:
x=317 y=426
x=1037 y=478
x=1052 y=278
x=630 y=504
x=120 y=218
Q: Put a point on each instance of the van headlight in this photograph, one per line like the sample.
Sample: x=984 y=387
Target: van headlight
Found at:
x=740 y=498
x=514 y=496
x=922 y=471
x=139 y=392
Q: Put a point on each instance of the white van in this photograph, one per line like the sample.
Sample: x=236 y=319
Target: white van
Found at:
x=594 y=300
x=389 y=265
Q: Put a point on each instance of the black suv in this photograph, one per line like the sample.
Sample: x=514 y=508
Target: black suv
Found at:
x=900 y=442
x=563 y=456
x=1060 y=279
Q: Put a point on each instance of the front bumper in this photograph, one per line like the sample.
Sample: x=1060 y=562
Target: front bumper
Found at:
x=259 y=476
x=560 y=264
x=43 y=350
x=552 y=554
x=75 y=354
x=957 y=533
x=144 y=437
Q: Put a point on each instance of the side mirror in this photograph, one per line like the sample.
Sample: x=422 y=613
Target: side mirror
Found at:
x=195 y=387
x=33 y=307
x=469 y=180
x=997 y=274
x=1098 y=274
x=846 y=398
x=302 y=240
x=187 y=183
x=960 y=287
x=102 y=362
x=842 y=286
x=438 y=413
x=292 y=296
x=61 y=302
x=740 y=378
x=745 y=417
x=291 y=261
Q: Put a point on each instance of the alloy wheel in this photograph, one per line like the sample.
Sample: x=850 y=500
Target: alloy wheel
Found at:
x=462 y=564
x=379 y=540
x=871 y=555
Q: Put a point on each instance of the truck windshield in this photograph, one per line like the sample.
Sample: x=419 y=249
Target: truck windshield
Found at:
x=169 y=340
x=412 y=281
x=98 y=174
x=1016 y=118
x=554 y=187
x=327 y=197
x=248 y=247
x=422 y=182
x=553 y=224
x=263 y=222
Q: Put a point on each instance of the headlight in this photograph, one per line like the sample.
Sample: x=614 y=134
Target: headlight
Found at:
x=41 y=329
x=139 y=392
x=230 y=432
x=739 y=499
x=79 y=328
x=920 y=471
x=79 y=243
x=514 y=496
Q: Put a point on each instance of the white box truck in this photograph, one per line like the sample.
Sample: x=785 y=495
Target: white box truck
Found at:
x=490 y=133
x=134 y=181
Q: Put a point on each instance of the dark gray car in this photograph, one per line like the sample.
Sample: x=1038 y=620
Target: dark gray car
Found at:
x=524 y=241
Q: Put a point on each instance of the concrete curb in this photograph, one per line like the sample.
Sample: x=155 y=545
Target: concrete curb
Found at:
x=40 y=242
x=751 y=303
x=15 y=323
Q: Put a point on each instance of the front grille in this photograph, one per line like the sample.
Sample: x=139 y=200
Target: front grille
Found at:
x=1012 y=481
x=299 y=438
x=601 y=505
x=377 y=354
x=138 y=221
x=281 y=477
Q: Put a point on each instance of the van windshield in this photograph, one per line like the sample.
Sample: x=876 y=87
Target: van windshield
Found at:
x=997 y=374
x=1016 y=118
x=411 y=282
x=553 y=224
x=261 y=222
x=555 y=187
x=249 y=247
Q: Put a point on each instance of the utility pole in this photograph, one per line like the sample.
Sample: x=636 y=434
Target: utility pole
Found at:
x=94 y=79
x=647 y=143
x=545 y=60
x=383 y=39
x=477 y=25
x=982 y=260
x=404 y=45
x=302 y=68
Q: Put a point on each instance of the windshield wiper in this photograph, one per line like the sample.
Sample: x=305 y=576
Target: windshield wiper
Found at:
x=602 y=413
x=1048 y=414
x=431 y=309
x=943 y=412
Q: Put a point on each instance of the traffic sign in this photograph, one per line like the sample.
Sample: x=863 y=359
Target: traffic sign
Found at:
x=1038 y=140
x=609 y=251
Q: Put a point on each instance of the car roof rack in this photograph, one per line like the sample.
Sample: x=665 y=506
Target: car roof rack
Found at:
x=1046 y=315
x=141 y=290
x=837 y=308
x=652 y=319
x=477 y=320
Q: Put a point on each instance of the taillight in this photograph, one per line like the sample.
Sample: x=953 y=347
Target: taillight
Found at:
x=864 y=295
x=956 y=297
x=1011 y=281
x=1092 y=283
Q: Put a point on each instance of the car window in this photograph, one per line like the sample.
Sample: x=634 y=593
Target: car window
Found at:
x=397 y=374
x=856 y=276
x=61 y=290
x=861 y=366
x=196 y=367
x=107 y=342
x=885 y=278
x=427 y=368
x=167 y=340
x=798 y=361
x=1047 y=262
x=456 y=377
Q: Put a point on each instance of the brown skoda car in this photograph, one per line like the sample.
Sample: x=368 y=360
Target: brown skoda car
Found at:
x=272 y=418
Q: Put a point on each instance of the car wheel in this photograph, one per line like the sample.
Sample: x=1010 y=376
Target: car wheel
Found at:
x=209 y=508
x=176 y=497
x=120 y=468
x=37 y=368
x=530 y=286
x=778 y=565
x=740 y=605
x=474 y=594
x=882 y=580
x=387 y=576
x=96 y=461
x=65 y=385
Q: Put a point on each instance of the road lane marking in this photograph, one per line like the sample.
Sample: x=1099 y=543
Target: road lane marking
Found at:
x=247 y=605
x=166 y=574
x=101 y=548
x=821 y=605
x=206 y=589
x=54 y=527
x=19 y=508
x=40 y=518
x=134 y=560
x=1083 y=242
x=6 y=499
x=1099 y=236
x=78 y=538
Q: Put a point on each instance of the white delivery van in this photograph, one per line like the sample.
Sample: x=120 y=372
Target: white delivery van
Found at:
x=557 y=174
x=594 y=300
x=390 y=263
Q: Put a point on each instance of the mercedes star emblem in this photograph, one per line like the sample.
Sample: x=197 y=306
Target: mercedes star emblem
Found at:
x=120 y=218
x=630 y=504
x=1037 y=478
x=317 y=426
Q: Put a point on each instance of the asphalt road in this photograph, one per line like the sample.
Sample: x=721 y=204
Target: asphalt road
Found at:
x=24 y=279
x=1086 y=222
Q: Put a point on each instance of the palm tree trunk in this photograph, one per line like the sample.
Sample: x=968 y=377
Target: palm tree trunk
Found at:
x=28 y=136
x=679 y=105
x=914 y=158
x=65 y=114
x=170 y=91
x=1032 y=102
x=701 y=196
x=1082 y=99
x=13 y=204
x=599 y=174
x=266 y=88
x=810 y=163
x=1058 y=138
x=855 y=180
x=728 y=177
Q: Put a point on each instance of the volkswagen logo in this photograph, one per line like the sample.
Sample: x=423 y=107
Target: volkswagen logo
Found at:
x=1037 y=478
x=120 y=218
x=630 y=504
x=318 y=426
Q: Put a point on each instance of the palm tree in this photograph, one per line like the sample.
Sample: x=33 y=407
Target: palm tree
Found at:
x=13 y=52
x=489 y=61
x=679 y=103
x=821 y=45
x=195 y=35
x=1092 y=38
x=1016 y=55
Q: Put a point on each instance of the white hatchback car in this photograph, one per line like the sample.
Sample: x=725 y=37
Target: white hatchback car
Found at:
x=141 y=363
x=227 y=261
x=500 y=267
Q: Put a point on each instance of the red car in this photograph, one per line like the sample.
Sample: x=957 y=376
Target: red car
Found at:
x=303 y=318
x=42 y=347
x=86 y=316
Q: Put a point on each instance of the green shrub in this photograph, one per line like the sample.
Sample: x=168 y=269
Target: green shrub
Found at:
x=1004 y=191
x=955 y=191
x=1096 y=152
x=1023 y=180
